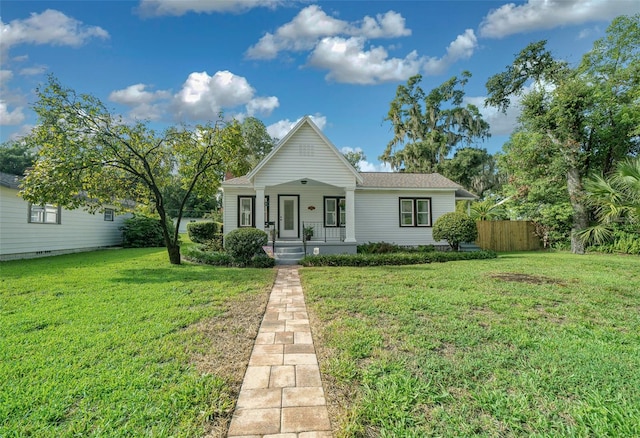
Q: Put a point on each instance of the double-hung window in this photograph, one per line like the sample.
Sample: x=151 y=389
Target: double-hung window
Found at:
x=108 y=214
x=334 y=211
x=44 y=214
x=245 y=211
x=415 y=212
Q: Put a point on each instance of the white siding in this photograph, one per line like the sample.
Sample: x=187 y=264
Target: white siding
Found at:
x=305 y=156
x=309 y=196
x=78 y=229
x=378 y=216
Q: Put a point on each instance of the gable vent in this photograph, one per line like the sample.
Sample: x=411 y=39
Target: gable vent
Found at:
x=306 y=150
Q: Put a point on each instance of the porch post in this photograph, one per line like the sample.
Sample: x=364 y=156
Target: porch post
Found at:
x=350 y=226
x=260 y=208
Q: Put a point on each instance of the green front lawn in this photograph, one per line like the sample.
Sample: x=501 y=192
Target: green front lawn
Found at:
x=529 y=344
x=121 y=343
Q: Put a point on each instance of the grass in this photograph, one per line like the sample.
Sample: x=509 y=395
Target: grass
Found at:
x=121 y=343
x=529 y=344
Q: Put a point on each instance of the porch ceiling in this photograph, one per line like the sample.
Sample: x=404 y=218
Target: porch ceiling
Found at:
x=301 y=183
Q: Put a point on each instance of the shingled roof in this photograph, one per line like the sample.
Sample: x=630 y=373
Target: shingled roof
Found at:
x=9 y=180
x=407 y=180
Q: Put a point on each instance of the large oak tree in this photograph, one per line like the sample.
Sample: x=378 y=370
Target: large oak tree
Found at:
x=88 y=157
x=588 y=115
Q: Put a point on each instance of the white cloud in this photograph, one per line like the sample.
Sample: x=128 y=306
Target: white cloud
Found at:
x=281 y=128
x=534 y=15
x=145 y=105
x=155 y=8
x=10 y=118
x=367 y=166
x=460 y=48
x=23 y=131
x=201 y=98
x=33 y=71
x=349 y=62
x=5 y=76
x=312 y=24
x=584 y=33
x=262 y=105
x=50 y=27
x=499 y=123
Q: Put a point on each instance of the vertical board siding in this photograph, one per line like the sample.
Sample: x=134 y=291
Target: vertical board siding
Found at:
x=77 y=230
x=378 y=216
x=507 y=236
x=305 y=155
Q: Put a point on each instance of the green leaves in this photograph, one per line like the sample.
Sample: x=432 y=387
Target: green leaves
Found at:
x=90 y=158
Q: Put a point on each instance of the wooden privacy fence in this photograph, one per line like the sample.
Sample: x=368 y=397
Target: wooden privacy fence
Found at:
x=507 y=236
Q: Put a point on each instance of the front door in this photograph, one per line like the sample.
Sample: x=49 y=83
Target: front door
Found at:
x=288 y=210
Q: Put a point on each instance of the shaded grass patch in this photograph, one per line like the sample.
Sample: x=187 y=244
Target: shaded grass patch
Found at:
x=120 y=342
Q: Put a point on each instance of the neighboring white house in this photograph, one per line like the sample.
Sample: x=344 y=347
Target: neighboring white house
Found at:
x=28 y=231
x=306 y=183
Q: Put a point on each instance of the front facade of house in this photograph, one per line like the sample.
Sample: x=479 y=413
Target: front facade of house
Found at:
x=28 y=231
x=306 y=189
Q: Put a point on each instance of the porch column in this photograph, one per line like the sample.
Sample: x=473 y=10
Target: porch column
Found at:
x=350 y=226
x=260 y=208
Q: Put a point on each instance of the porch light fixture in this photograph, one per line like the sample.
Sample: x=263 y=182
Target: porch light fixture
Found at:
x=303 y=182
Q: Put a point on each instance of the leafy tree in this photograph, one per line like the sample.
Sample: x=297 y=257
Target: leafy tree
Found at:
x=475 y=169
x=426 y=127
x=15 y=157
x=89 y=158
x=586 y=116
x=257 y=139
x=354 y=158
x=455 y=228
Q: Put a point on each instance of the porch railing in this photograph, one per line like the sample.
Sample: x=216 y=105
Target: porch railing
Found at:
x=317 y=232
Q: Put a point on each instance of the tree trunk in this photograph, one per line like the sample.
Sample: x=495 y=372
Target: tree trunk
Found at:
x=174 y=253
x=580 y=214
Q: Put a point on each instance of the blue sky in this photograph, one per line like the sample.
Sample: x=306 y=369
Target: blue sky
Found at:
x=341 y=61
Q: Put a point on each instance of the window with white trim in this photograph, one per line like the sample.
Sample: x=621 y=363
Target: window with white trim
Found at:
x=109 y=214
x=44 y=214
x=334 y=211
x=245 y=211
x=415 y=212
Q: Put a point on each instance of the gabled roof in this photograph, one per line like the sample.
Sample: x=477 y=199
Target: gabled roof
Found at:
x=9 y=180
x=305 y=120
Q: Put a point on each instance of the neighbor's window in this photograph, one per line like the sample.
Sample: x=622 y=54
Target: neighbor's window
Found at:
x=44 y=214
x=415 y=212
x=245 y=211
x=334 y=212
x=108 y=214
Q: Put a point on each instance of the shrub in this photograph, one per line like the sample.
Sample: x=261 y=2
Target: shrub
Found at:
x=391 y=248
x=142 y=231
x=200 y=232
x=244 y=243
x=262 y=261
x=195 y=254
x=455 y=228
x=215 y=244
x=412 y=258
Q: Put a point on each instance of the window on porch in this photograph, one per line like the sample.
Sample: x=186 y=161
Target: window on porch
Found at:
x=334 y=211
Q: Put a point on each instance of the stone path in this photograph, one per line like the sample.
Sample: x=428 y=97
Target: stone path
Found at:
x=282 y=394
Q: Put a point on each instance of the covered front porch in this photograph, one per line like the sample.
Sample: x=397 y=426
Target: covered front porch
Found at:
x=304 y=211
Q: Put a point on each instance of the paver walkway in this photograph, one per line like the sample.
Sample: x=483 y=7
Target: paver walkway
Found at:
x=282 y=395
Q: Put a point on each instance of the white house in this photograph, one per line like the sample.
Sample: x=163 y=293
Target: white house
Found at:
x=306 y=183
x=28 y=230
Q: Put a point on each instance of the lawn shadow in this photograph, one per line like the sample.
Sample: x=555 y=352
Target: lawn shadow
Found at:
x=180 y=274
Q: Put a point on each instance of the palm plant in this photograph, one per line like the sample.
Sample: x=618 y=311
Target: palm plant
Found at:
x=488 y=210
x=615 y=199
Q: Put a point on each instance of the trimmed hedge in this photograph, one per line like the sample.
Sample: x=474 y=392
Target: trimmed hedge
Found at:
x=388 y=248
x=199 y=254
x=412 y=258
x=455 y=228
x=200 y=232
